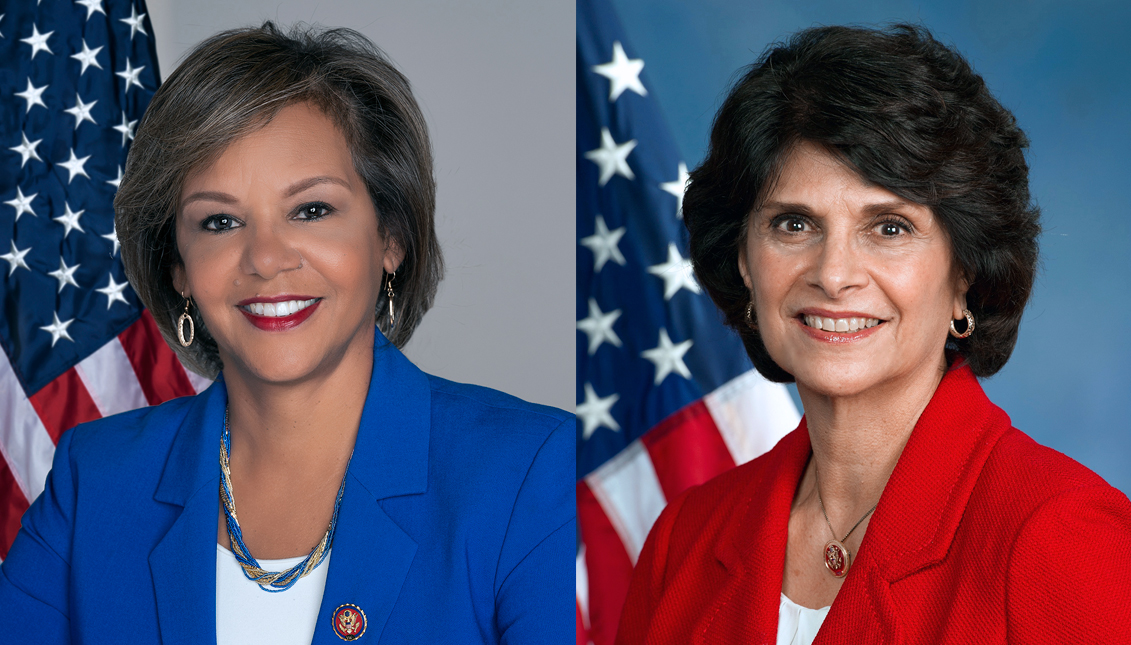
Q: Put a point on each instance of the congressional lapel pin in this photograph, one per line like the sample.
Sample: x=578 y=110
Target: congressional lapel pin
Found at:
x=349 y=622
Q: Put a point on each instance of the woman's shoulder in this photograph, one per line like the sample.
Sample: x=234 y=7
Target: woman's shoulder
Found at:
x=1063 y=526
x=491 y=410
x=145 y=430
x=702 y=514
x=1030 y=475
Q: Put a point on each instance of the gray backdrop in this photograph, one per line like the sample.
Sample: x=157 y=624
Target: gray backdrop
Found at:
x=1064 y=68
x=495 y=80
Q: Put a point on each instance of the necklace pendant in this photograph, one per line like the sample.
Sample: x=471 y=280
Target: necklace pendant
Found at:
x=836 y=558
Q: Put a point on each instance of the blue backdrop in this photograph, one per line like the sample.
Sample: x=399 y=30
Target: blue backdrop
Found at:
x=1065 y=72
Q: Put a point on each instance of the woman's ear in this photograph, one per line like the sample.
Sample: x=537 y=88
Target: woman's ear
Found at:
x=179 y=280
x=961 y=287
x=743 y=270
x=394 y=255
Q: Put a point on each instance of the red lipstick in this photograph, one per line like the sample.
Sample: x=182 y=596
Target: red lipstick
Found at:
x=278 y=323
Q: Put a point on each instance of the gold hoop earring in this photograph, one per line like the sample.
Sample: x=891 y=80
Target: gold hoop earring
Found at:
x=750 y=316
x=969 y=325
x=185 y=317
x=389 y=293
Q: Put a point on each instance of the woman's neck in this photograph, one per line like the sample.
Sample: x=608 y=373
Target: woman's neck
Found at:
x=857 y=441
x=312 y=421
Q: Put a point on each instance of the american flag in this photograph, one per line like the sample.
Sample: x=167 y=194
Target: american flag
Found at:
x=666 y=395
x=75 y=78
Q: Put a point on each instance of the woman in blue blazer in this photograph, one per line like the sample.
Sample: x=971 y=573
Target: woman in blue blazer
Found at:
x=278 y=195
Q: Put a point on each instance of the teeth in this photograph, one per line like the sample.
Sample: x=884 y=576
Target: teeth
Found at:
x=840 y=324
x=279 y=309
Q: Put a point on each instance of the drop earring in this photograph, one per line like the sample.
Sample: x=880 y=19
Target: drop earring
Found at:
x=185 y=317
x=389 y=293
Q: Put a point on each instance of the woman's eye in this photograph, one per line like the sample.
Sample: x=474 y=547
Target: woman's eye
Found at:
x=219 y=223
x=315 y=210
x=891 y=229
x=791 y=225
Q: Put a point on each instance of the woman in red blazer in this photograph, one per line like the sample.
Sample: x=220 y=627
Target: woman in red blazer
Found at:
x=863 y=220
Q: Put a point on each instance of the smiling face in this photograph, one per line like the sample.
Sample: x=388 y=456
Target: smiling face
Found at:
x=282 y=221
x=873 y=268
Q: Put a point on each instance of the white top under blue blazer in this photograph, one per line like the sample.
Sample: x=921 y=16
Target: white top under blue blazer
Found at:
x=457 y=523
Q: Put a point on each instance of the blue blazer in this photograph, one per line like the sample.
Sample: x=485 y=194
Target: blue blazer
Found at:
x=457 y=524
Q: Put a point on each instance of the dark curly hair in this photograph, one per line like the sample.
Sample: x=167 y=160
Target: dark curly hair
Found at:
x=908 y=114
x=234 y=83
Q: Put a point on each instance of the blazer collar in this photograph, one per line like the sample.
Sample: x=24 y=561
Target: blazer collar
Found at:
x=923 y=502
x=931 y=484
x=371 y=554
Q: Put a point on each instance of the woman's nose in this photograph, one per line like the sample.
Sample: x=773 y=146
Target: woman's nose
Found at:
x=268 y=251
x=838 y=267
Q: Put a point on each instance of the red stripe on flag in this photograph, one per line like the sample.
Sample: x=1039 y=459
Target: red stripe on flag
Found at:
x=12 y=507
x=63 y=404
x=608 y=564
x=161 y=375
x=582 y=635
x=687 y=449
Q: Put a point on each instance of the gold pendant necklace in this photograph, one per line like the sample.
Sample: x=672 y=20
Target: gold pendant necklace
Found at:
x=837 y=556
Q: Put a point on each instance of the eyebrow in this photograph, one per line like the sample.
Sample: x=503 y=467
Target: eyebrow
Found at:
x=291 y=191
x=804 y=209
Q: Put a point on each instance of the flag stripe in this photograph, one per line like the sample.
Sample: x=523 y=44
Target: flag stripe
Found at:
x=607 y=565
x=12 y=507
x=751 y=415
x=111 y=381
x=687 y=450
x=24 y=441
x=629 y=491
x=148 y=353
x=63 y=404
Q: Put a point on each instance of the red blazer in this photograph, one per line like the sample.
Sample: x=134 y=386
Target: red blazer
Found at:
x=981 y=536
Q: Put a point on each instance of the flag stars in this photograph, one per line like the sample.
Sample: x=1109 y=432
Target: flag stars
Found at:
x=88 y=56
x=58 y=329
x=65 y=274
x=131 y=74
x=70 y=220
x=91 y=7
x=21 y=203
x=16 y=259
x=677 y=188
x=27 y=149
x=676 y=273
x=668 y=357
x=594 y=412
x=611 y=157
x=113 y=237
x=623 y=73
x=33 y=95
x=115 y=182
x=599 y=327
x=134 y=21
x=74 y=165
x=81 y=111
x=38 y=42
x=603 y=243
x=126 y=127
x=113 y=292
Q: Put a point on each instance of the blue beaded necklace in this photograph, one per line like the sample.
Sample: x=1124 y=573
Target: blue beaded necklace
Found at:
x=267 y=580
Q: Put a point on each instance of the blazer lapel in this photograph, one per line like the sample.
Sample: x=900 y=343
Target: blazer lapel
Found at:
x=183 y=564
x=920 y=508
x=753 y=547
x=371 y=555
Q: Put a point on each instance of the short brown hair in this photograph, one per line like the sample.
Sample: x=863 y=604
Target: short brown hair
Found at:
x=907 y=113
x=234 y=83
